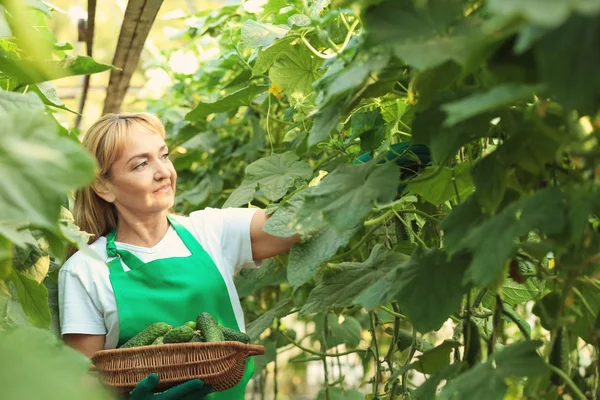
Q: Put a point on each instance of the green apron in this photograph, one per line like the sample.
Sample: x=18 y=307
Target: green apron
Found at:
x=172 y=290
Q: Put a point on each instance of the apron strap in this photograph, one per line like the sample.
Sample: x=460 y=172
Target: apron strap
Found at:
x=115 y=264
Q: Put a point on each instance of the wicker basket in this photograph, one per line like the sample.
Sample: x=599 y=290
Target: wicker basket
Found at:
x=220 y=364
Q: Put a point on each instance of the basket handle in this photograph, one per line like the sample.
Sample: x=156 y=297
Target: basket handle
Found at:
x=255 y=349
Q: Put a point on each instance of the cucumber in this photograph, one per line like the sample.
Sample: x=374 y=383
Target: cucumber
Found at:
x=158 y=340
x=181 y=334
x=472 y=343
x=197 y=338
x=559 y=356
x=191 y=324
x=148 y=335
x=232 y=335
x=209 y=328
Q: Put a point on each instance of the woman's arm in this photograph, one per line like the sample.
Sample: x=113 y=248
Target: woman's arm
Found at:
x=86 y=344
x=265 y=245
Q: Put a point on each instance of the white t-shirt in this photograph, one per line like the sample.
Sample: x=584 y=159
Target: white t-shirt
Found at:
x=85 y=296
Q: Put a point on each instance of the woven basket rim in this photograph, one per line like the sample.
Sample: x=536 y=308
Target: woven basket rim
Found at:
x=169 y=366
x=253 y=349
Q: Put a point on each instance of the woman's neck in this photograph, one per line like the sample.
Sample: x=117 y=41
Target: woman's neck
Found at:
x=144 y=232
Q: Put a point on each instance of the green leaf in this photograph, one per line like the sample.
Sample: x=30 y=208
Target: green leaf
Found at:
x=444 y=142
x=430 y=288
x=16 y=101
x=434 y=360
x=571 y=50
x=515 y=293
x=295 y=71
x=242 y=97
x=490 y=176
x=475 y=104
x=306 y=257
x=256 y=34
x=281 y=223
x=250 y=280
x=427 y=35
x=260 y=362
x=487 y=380
x=347 y=195
x=47 y=93
x=338 y=84
x=37 y=170
x=549 y=13
x=325 y=122
x=32 y=261
x=370 y=127
x=266 y=57
x=493 y=241
x=426 y=86
x=274 y=175
x=439 y=188
x=279 y=310
x=60 y=372
x=33 y=298
x=343 y=283
x=428 y=390
x=348 y=332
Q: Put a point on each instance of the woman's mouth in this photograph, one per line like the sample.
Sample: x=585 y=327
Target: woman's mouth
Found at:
x=163 y=189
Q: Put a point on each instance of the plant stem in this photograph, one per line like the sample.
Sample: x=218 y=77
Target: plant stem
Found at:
x=326 y=377
x=568 y=381
x=318 y=353
x=375 y=351
x=394 y=313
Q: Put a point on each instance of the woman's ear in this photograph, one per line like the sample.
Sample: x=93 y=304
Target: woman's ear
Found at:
x=103 y=190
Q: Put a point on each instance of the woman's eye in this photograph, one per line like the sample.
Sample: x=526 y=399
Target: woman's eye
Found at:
x=140 y=165
x=166 y=156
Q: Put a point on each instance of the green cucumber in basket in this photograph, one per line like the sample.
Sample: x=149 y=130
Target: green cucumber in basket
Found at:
x=232 y=335
x=209 y=328
x=181 y=334
x=148 y=335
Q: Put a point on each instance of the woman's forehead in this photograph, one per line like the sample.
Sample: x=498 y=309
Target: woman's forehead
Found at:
x=140 y=140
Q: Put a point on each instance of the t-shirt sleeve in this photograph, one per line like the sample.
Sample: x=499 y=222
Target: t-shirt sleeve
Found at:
x=231 y=227
x=77 y=311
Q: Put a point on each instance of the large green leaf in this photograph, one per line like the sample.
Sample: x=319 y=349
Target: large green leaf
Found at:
x=343 y=283
x=493 y=241
x=549 y=13
x=430 y=287
x=427 y=34
x=437 y=187
x=515 y=293
x=347 y=195
x=257 y=34
x=326 y=120
x=295 y=71
x=306 y=257
x=33 y=298
x=37 y=168
x=444 y=142
x=499 y=96
x=572 y=50
x=266 y=57
x=273 y=175
x=487 y=380
x=36 y=364
x=348 y=332
x=242 y=97
x=279 y=310
x=17 y=101
x=249 y=280
x=281 y=222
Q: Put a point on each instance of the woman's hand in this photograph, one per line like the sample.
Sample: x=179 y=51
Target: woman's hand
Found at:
x=194 y=389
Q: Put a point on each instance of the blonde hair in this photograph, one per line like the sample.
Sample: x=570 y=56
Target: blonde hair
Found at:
x=105 y=140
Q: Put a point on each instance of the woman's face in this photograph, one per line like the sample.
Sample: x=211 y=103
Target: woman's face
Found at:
x=143 y=179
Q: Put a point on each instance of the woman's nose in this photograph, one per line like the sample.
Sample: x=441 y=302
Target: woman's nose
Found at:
x=162 y=171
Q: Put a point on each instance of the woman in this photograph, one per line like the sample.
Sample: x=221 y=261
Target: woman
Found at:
x=148 y=265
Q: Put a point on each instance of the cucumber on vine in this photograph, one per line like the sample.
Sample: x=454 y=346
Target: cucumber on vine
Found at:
x=559 y=356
